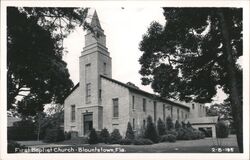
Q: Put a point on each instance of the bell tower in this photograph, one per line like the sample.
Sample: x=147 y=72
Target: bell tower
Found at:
x=94 y=61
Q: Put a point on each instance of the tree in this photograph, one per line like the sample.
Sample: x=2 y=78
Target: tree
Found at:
x=169 y=124
x=223 y=110
x=150 y=131
x=195 y=53
x=35 y=69
x=130 y=133
x=161 y=127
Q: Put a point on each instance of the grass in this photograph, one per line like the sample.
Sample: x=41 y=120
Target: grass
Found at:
x=207 y=145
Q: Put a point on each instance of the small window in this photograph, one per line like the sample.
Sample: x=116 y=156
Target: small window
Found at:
x=87 y=72
x=192 y=106
x=144 y=124
x=182 y=115
x=178 y=114
x=164 y=114
x=155 y=114
x=104 y=68
x=73 y=112
x=144 y=104
x=88 y=92
x=186 y=116
x=100 y=94
x=133 y=124
x=133 y=102
x=115 y=107
x=171 y=108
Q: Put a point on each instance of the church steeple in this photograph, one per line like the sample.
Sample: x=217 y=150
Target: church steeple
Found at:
x=96 y=34
x=94 y=61
x=95 y=21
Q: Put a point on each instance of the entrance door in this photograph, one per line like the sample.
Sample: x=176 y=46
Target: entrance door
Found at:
x=88 y=123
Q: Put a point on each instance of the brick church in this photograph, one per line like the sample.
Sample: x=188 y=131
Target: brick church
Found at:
x=99 y=101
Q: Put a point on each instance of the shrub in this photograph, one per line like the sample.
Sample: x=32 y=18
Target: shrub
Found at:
x=67 y=135
x=222 y=130
x=126 y=141
x=177 y=125
x=115 y=137
x=22 y=130
x=183 y=125
x=161 y=127
x=12 y=146
x=189 y=125
x=129 y=133
x=150 y=132
x=168 y=138
x=142 y=141
x=74 y=134
x=184 y=134
x=169 y=124
x=172 y=132
x=104 y=136
x=93 y=138
x=54 y=135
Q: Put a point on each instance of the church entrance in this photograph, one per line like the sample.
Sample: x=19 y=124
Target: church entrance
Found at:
x=87 y=123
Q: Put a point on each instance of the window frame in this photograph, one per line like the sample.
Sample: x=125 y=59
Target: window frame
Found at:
x=73 y=113
x=88 y=93
x=115 y=107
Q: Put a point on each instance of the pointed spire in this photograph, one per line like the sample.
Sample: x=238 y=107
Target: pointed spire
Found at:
x=95 y=21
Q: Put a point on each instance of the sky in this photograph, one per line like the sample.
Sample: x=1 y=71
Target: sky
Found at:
x=124 y=28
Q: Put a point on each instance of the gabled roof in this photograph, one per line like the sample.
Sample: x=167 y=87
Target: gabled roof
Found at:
x=72 y=90
x=153 y=96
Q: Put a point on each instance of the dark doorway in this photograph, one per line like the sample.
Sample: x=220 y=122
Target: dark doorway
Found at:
x=88 y=123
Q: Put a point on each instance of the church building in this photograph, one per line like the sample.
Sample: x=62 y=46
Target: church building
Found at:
x=99 y=101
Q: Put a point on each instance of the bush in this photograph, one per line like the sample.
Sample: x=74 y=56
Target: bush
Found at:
x=168 y=138
x=93 y=138
x=222 y=130
x=129 y=133
x=184 y=134
x=161 y=127
x=54 y=135
x=172 y=132
x=12 y=146
x=21 y=131
x=104 y=136
x=183 y=125
x=142 y=141
x=126 y=141
x=67 y=135
x=177 y=125
x=150 y=132
x=115 y=137
x=189 y=125
x=169 y=124
x=73 y=134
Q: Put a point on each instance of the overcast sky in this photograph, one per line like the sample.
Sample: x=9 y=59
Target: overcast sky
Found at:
x=123 y=28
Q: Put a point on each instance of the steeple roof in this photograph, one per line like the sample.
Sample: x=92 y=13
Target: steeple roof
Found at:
x=95 y=20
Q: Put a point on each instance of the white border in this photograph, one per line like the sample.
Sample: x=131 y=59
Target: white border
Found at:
x=146 y=156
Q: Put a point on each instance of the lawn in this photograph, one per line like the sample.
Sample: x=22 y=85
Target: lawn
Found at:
x=207 y=145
